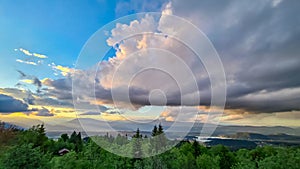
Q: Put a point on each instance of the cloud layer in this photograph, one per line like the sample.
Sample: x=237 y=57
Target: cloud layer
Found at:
x=257 y=43
x=257 y=48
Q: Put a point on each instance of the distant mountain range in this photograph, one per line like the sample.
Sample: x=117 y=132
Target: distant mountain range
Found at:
x=261 y=137
x=94 y=126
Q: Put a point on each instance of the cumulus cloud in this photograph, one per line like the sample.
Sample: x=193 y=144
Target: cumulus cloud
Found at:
x=157 y=73
x=255 y=40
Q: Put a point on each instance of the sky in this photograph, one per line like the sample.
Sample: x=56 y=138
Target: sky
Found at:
x=44 y=44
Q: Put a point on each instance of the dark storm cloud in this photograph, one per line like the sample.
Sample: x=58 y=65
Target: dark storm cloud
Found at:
x=9 y=104
x=258 y=43
x=269 y=105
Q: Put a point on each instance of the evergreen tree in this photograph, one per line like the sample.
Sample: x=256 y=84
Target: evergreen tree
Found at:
x=161 y=137
x=154 y=131
x=137 y=145
x=158 y=140
x=197 y=149
x=64 y=137
x=160 y=129
x=73 y=137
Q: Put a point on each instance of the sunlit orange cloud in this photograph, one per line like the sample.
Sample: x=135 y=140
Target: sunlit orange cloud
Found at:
x=112 y=117
x=203 y=108
x=97 y=102
x=46 y=81
x=142 y=44
x=59 y=112
x=169 y=118
x=208 y=109
x=14 y=114
x=164 y=113
x=65 y=71
x=21 y=117
x=123 y=117
x=28 y=81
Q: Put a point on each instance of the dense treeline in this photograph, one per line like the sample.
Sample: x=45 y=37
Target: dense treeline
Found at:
x=31 y=149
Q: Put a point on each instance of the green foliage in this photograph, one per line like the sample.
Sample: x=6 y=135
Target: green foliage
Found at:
x=120 y=140
x=36 y=136
x=227 y=159
x=25 y=156
x=31 y=149
x=206 y=161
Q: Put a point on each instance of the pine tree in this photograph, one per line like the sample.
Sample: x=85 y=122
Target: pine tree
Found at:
x=160 y=129
x=73 y=137
x=196 y=149
x=161 y=137
x=154 y=131
x=158 y=140
x=137 y=145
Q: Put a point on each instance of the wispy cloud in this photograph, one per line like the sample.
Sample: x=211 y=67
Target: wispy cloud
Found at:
x=40 y=55
x=63 y=70
x=28 y=53
x=26 y=62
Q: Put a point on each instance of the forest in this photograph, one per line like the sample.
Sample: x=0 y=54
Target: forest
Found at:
x=32 y=149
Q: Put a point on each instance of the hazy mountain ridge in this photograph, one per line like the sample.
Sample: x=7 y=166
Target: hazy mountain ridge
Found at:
x=94 y=125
